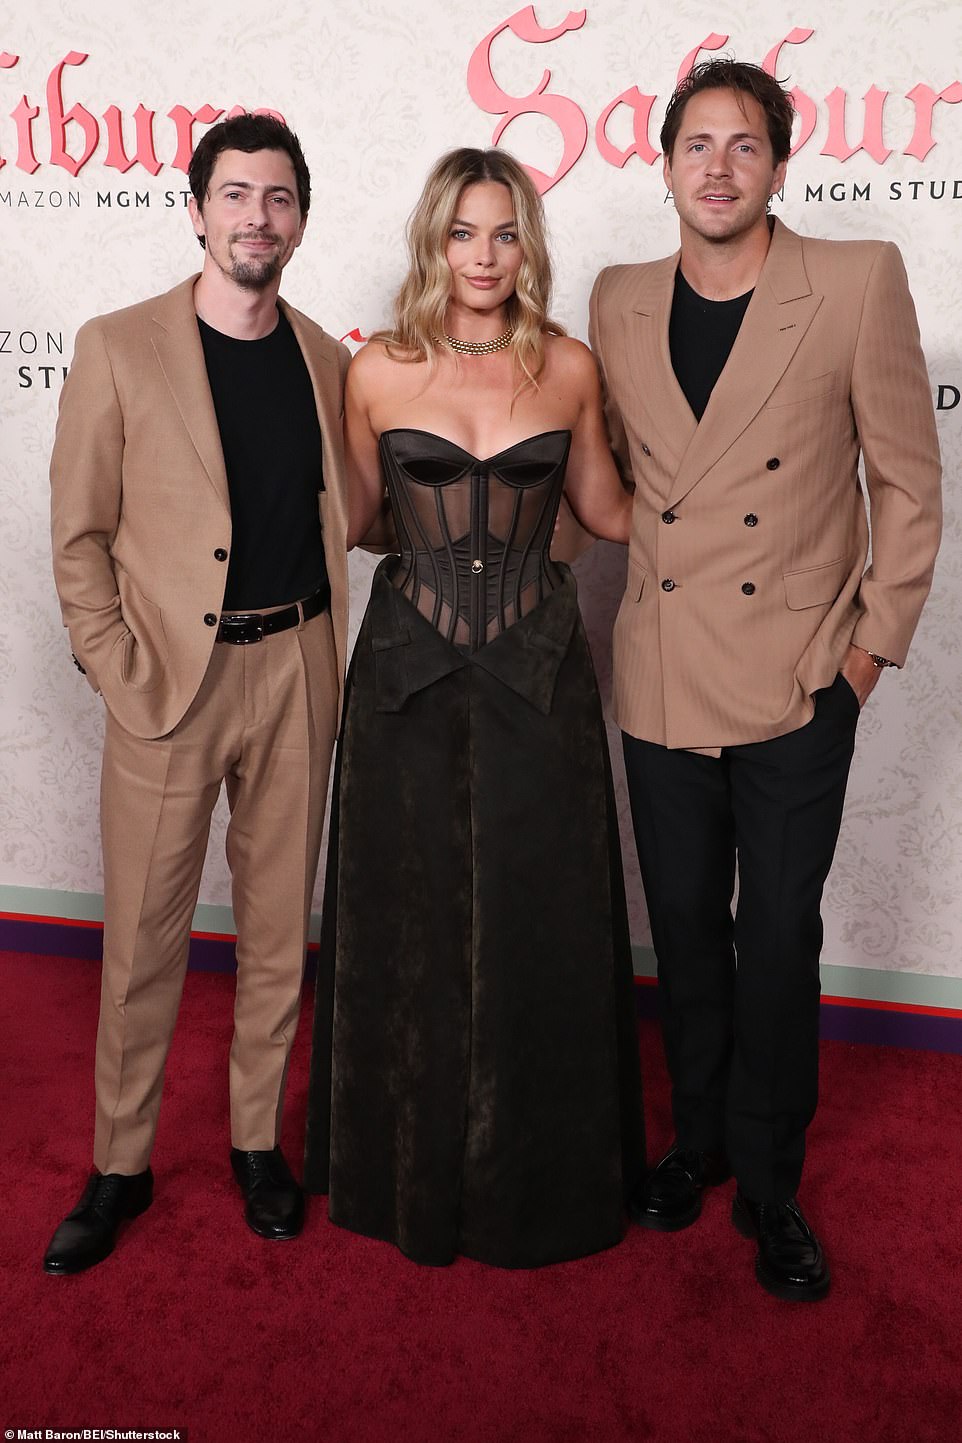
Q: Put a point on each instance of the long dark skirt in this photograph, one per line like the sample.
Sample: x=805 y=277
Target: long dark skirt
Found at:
x=482 y=1092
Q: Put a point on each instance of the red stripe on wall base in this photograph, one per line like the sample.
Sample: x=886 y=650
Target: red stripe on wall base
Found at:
x=53 y=921
x=875 y=1005
x=213 y=951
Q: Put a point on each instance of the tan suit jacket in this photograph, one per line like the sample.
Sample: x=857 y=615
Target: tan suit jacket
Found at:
x=747 y=565
x=140 y=504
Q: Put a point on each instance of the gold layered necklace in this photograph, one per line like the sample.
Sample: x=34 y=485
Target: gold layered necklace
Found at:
x=479 y=348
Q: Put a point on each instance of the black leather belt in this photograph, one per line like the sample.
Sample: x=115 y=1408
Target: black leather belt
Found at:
x=243 y=628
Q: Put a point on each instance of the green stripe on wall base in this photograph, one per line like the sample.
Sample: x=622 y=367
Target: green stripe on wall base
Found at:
x=38 y=902
x=863 y=983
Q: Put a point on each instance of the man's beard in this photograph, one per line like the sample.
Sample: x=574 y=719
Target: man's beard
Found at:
x=256 y=273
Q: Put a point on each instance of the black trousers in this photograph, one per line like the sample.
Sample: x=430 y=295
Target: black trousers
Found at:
x=739 y=988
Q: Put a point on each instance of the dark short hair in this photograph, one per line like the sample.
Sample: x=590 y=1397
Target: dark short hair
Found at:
x=741 y=77
x=247 y=133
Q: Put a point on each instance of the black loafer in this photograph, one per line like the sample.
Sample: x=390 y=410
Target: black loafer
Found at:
x=275 y=1201
x=670 y=1197
x=790 y=1263
x=87 y=1235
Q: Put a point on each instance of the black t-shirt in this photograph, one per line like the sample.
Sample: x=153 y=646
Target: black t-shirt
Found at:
x=267 y=416
x=700 y=337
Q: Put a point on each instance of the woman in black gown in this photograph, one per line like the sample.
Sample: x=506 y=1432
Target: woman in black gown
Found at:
x=482 y=1093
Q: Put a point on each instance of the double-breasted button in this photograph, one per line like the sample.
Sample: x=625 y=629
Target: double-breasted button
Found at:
x=210 y=619
x=751 y=519
x=220 y=554
x=645 y=451
x=668 y=517
x=773 y=463
x=667 y=584
x=748 y=588
x=477 y=567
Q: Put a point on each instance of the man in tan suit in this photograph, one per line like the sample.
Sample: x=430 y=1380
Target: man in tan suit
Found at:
x=199 y=525
x=745 y=375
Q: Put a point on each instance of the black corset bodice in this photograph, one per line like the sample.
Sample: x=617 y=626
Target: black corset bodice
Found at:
x=474 y=535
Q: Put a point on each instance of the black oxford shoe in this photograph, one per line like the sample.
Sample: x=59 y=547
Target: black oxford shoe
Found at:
x=87 y=1235
x=670 y=1197
x=790 y=1263
x=275 y=1201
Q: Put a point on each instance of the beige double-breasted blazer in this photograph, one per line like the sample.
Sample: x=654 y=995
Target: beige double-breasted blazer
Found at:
x=747 y=574
x=140 y=506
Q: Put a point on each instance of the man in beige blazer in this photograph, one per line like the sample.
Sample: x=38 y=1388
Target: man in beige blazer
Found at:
x=199 y=524
x=745 y=376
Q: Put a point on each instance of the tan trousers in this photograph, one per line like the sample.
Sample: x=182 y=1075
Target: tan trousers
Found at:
x=263 y=721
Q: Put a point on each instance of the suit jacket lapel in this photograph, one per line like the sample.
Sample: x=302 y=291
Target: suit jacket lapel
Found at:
x=320 y=357
x=778 y=315
x=649 y=359
x=177 y=345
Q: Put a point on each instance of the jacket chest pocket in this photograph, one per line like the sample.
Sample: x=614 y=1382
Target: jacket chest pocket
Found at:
x=793 y=391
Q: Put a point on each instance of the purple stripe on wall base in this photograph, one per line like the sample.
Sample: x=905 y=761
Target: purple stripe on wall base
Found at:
x=890 y=1028
x=56 y=939
x=52 y=939
x=839 y=1023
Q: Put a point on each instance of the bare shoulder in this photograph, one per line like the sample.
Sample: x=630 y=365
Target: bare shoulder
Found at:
x=379 y=381
x=569 y=362
x=370 y=360
x=371 y=370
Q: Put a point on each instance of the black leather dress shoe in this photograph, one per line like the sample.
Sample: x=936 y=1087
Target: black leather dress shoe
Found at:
x=87 y=1235
x=275 y=1201
x=670 y=1197
x=790 y=1263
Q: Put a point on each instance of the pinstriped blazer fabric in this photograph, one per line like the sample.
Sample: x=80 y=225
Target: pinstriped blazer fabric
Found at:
x=727 y=627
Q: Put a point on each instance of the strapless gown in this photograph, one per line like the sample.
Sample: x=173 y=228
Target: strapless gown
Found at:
x=474 y=1084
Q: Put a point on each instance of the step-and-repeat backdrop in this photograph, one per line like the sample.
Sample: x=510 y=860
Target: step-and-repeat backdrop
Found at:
x=99 y=109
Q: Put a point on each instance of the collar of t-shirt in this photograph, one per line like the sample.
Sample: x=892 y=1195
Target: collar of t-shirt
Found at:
x=701 y=334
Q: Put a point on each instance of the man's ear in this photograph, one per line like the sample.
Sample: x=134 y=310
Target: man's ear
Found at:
x=196 y=217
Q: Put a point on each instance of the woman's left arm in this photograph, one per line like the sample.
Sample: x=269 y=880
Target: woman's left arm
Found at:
x=593 y=486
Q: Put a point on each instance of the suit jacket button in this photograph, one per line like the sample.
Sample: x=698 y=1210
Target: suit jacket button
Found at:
x=645 y=450
x=667 y=584
x=210 y=619
x=748 y=588
x=773 y=463
x=668 y=517
x=751 y=519
x=220 y=554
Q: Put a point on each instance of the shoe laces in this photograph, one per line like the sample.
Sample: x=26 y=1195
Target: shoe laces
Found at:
x=104 y=1192
x=266 y=1167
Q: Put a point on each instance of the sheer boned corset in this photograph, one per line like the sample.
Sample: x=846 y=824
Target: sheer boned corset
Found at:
x=474 y=535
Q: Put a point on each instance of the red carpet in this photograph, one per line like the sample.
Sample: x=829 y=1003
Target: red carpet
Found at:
x=196 y=1323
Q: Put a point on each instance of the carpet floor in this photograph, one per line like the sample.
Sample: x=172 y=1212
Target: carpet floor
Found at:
x=195 y=1323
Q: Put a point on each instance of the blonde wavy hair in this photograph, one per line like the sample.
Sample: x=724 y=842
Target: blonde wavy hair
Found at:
x=420 y=305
